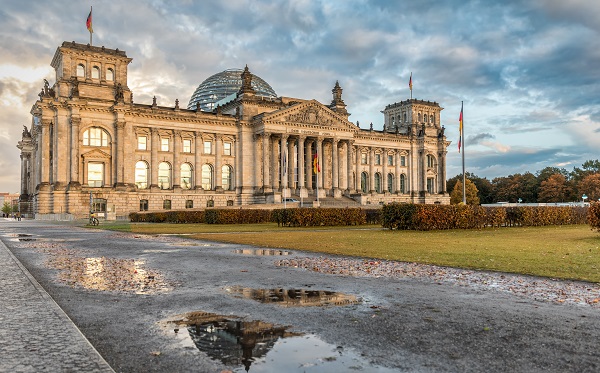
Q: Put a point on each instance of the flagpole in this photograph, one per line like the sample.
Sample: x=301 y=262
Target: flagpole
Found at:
x=283 y=166
x=91 y=30
x=462 y=136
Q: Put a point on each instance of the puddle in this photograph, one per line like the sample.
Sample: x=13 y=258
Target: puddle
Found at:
x=262 y=252
x=257 y=346
x=108 y=274
x=294 y=297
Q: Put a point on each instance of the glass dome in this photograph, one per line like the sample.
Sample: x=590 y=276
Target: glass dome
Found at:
x=224 y=84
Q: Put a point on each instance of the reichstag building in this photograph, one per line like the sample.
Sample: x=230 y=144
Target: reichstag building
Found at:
x=237 y=143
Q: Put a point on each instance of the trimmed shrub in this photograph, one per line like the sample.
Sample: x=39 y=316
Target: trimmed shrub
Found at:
x=593 y=215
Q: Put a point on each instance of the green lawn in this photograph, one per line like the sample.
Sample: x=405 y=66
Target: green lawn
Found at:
x=568 y=252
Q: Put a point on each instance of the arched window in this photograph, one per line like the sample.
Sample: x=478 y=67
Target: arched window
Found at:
x=432 y=119
x=393 y=123
x=110 y=74
x=164 y=175
x=405 y=117
x=364 y=182
x=81 y=70
x=402 y=183
x=141 y=174
x=186 y=176
x=378 y=182
x=226 y=177
x=430 y=161
x=419 y=117
x=95 y=72
x=390 y=183
x=95 y=136
x=207 y=177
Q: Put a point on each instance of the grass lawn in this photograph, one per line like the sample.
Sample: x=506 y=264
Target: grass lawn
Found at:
x=567 y=252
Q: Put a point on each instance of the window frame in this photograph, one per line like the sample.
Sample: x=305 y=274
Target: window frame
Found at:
x=142 y=145
x=165 y=144
x=207 y=146
x=97 y=182
x=186 y=145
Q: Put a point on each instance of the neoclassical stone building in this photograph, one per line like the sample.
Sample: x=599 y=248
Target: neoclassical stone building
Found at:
x=237 y=143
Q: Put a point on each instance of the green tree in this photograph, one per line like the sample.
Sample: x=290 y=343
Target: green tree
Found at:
x=470 y=193
x=485 y=190
x=6 y=208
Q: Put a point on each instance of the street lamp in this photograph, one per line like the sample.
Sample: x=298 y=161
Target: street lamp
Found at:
x=520 y=200
x=584 y=197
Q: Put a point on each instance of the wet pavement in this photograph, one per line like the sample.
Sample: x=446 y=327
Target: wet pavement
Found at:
x=170 y=304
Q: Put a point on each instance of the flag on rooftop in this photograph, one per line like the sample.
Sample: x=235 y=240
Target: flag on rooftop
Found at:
x=460 y=128
x=88 y=22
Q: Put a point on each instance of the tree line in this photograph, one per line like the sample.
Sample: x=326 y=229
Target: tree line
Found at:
x=551 y=184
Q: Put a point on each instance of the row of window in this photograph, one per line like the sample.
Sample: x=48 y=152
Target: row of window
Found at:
x=165 y=145
x=186 y=180
x=109 y=75
x=421 y=118
x=364 y=159
x=365 y=187
x=189 y=204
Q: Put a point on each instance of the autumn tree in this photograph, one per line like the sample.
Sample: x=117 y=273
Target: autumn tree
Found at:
x=554 y=189
x=6 y=208
x=470 y=193
x=590 y=186
x=485 y=190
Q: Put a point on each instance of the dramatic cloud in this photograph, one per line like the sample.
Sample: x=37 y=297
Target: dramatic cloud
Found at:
x=526 y=71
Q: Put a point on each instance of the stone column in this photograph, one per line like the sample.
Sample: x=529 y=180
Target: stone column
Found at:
x=45 y=152
x=176 y=161
x=74 y=178
x=349 y=187
x=155 y=145
x=301 y=167
x=335 y=171
x=218 y=162
x=384 y=177
x=358 y=177
x=397 y=162
x=371 y=170
x=266 y=165
x=274 y=163
x=120 y=154
x=198 y=160
x=257 y=165
x=291 y=159
x=424 y=172
x=309 y=171
x=442 y=172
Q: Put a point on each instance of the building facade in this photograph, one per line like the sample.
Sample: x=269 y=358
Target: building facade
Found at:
x=90 y=146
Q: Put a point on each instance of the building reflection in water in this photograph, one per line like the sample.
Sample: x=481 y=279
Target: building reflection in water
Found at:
x=295 y=297
x=262 y=252
x=233 y=341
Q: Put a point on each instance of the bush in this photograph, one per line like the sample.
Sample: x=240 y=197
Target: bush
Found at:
x=304 y=217
x=593 y=215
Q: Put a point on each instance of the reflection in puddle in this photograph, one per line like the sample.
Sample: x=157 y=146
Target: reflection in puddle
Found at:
x=262 y=252
x=258 y=346
x=295 y=297
x=108 y=274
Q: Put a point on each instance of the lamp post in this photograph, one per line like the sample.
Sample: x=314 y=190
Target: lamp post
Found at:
x=520 y=200
x=584 y=197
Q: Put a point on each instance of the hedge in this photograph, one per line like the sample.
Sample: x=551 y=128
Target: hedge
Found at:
x=594 y=215
x=431 y=217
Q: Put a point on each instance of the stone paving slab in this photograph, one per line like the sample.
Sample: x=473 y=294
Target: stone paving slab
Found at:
x=35 y=334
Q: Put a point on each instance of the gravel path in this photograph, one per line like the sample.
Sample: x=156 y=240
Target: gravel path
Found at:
x=538 y=288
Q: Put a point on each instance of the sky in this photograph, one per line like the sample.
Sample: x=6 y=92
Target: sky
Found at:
x=527 y=71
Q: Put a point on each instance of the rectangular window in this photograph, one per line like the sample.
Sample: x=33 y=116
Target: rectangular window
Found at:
x=391 y=160
x=95 y=174
x=377 y=159
x=142 y=142
x=164 y=145
x=167 y=204
x=227 y=148
x=207 y=147
x=189 y=204
x=402 y=160
x=187 y=145
x=143 y=205
x=363 y=158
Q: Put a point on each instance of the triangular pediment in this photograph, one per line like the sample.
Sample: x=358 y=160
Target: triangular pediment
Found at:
x=95 y=154
x=310 y=113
